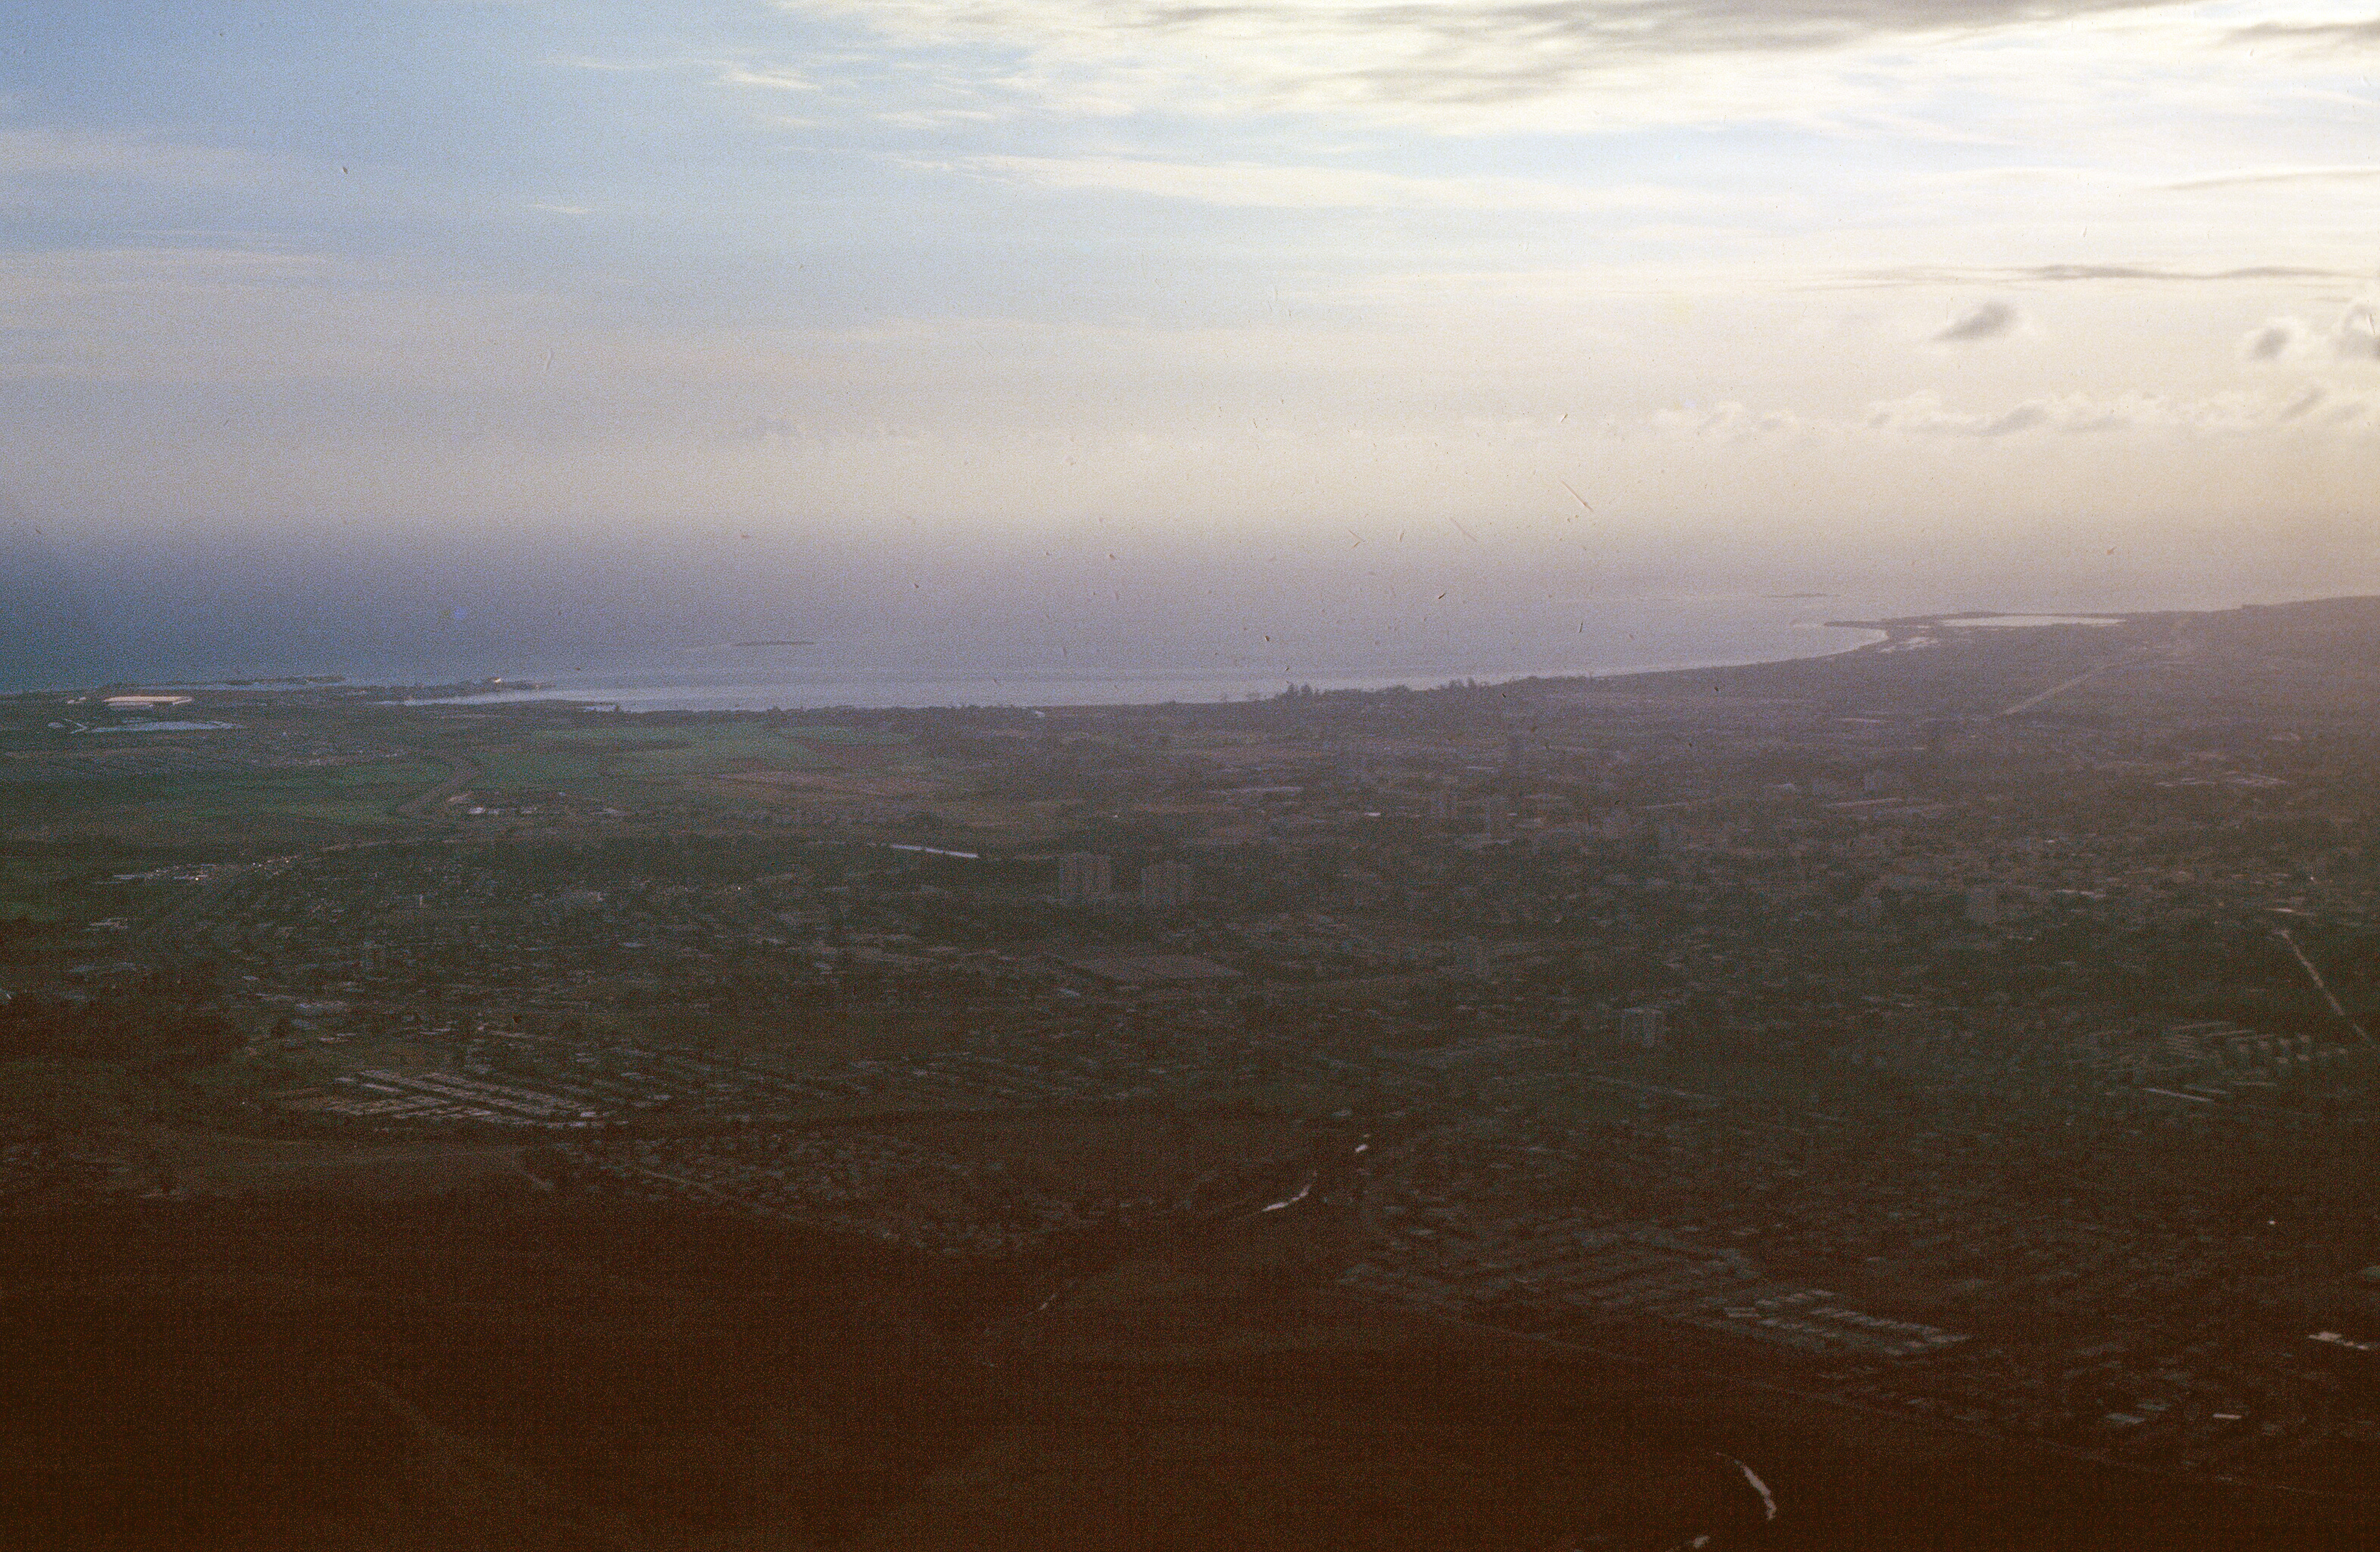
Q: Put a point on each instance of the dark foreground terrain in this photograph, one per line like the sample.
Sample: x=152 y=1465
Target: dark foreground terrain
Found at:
x=513 y=1371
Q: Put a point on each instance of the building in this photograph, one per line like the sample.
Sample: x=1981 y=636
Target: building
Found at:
x=1165 y=886
x=1085 y=878
x=1647 y=1027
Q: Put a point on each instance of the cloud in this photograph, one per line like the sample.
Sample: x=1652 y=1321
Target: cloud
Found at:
x=1923 y=414
x=592 y=62
x=1419 y=53
x=1561 y=32
x=2149 y=272
x=773 y=79
x=35 y=153
x=2355 y=337
x=923 y=118
x=2279 y=339
x=2278 y=175
x=2303 y=405
x=2066 y=273
x=1730 y=420
x=2333 y=34
x=1985 y=321
x=1254 y=185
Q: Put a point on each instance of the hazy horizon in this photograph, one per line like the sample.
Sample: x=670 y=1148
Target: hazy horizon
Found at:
x=382 y=626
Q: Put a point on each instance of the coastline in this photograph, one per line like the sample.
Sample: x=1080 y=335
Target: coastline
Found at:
x=641 y=689
x=720 y=697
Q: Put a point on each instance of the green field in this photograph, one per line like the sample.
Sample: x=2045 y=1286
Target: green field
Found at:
x=728 y=731
x=580 y=760
x=356 y=795
x=830 y=734
x=734 y=747
x=628 y=766
x=533 y=769
x=349 y=796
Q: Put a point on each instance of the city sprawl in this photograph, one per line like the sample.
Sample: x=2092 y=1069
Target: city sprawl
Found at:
x=1972 y=1028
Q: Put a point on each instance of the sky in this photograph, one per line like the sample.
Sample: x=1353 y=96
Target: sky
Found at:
x=1169 y=324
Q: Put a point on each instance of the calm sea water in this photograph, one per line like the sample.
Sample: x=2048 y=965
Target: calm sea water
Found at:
x=1646 y=635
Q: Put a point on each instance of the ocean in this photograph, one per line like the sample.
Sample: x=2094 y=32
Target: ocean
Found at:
x=1632 y=636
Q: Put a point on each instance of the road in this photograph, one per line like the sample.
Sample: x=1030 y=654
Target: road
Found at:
x=2323 y=987
x=461 y=773
x=2029 y=702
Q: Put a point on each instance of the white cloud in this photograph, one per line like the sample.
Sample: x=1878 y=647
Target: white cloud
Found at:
x=45 y=153
x=1564 y=65
x=936 y=118
x=1453 y=49
x=2294 y=341
x=1925 y=414
x=2064 y=273
x=610 y=67
x=2357 y=337
x=773 y=79
x=1252 y=185
x=2318 y=36
x=2267 y=176
x=1730 y=420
